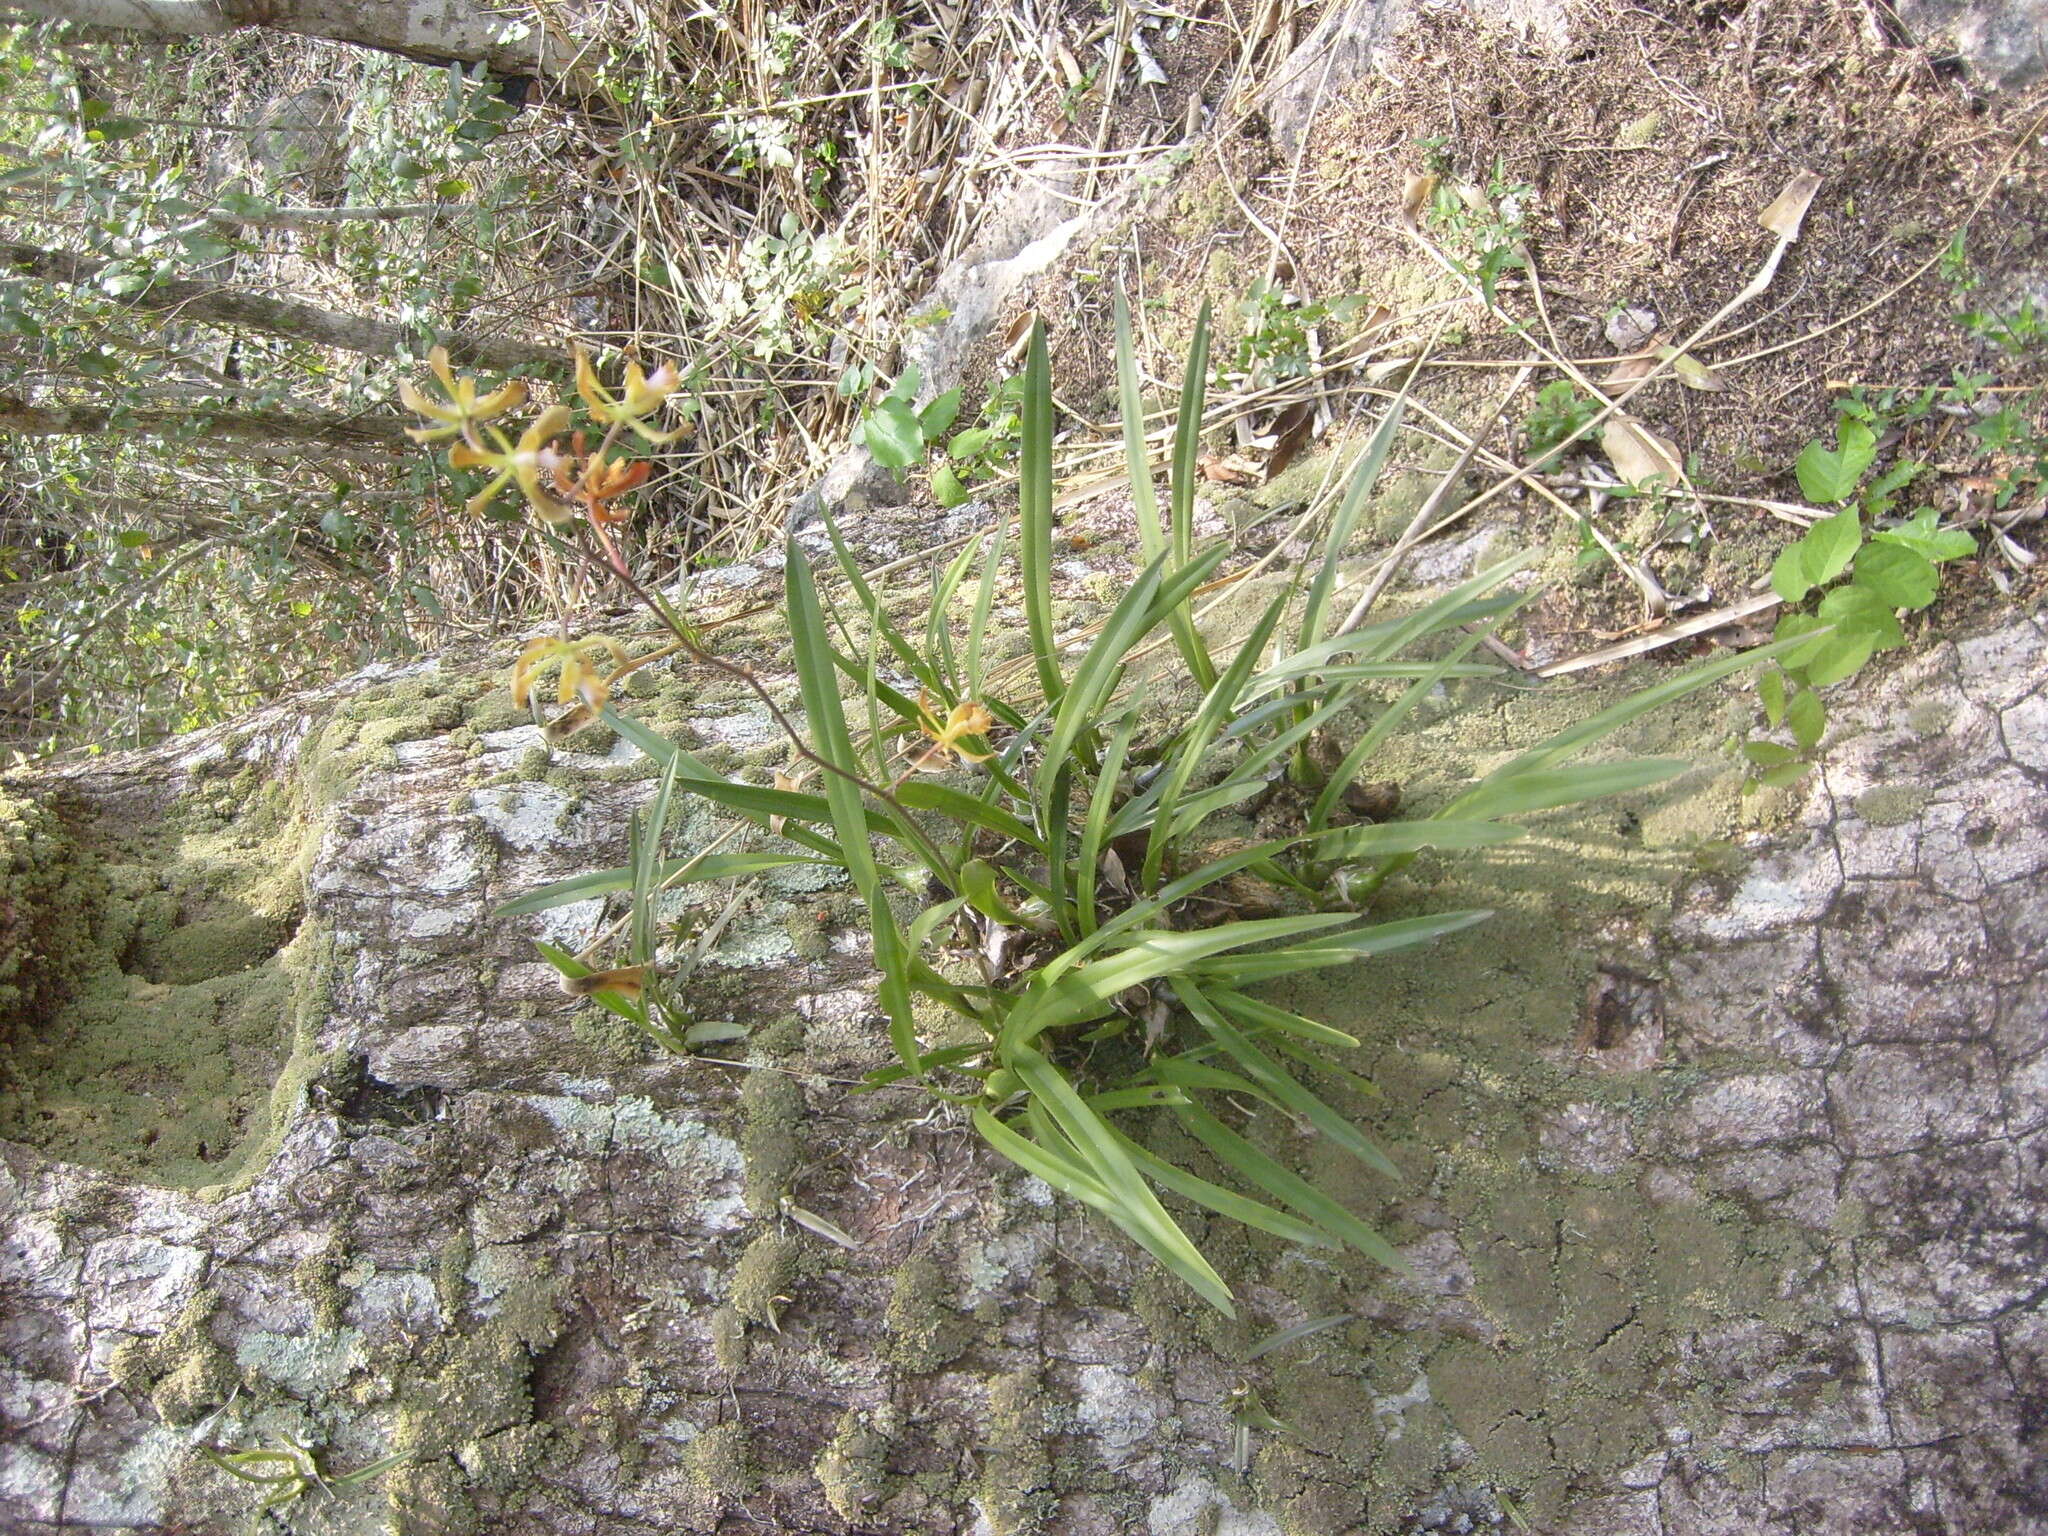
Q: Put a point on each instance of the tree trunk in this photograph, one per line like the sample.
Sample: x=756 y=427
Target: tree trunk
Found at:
x=212 y=304
x=434 y=31
x=1721 y=1206
x=285 y=436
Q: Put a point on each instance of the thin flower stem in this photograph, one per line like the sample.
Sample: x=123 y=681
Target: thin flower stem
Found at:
x=688 y=644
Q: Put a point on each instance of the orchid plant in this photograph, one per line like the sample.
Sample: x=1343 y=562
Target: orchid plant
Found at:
x=1090 y=862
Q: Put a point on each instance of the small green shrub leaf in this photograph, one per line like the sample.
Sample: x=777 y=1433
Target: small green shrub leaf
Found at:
x=1770 y=688
x=947 y=489
x=1807 y=718
x=1925 y=536
x=1788 y=573
x=1857 y=609
x=1839 y=655
x=938 y=415
x=1784 y=775
x=892 y=435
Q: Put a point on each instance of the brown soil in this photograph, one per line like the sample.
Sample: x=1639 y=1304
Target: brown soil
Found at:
x=1648 y=146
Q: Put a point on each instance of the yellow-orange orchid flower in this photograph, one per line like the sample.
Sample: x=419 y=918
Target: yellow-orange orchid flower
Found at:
x=602 y=480
x=628 y=982
x=966 y=721
x=521 y=462
x=453 y=417
x=581 y=662
x=643 y=395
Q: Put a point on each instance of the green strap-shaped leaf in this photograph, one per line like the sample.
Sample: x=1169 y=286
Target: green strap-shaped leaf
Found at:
x=1034 y=512
x=1287 y=1186
x=711 y=866
x=1111 y=1167
x=1335 y=949
x=1269 y=1075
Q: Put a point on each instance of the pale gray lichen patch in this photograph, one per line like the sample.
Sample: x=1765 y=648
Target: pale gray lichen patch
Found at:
x=131 y=1490
x=527 y=817
x=708 y=1161
x=306 y=1367
x=1196 y=1507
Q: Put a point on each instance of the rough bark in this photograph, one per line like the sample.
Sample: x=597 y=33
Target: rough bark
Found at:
x=214 y=304
x=436 y=31
x=283 y=436
x=1739 y=1232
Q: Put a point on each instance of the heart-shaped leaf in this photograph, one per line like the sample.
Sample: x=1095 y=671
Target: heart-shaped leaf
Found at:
x=1833 y=474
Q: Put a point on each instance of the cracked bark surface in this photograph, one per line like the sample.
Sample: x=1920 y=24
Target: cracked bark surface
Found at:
x=1759 y=1248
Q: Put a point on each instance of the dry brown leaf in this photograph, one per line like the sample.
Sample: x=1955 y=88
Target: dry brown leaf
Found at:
x=1629 y=369
x=1018 y=340
x=1692 y=373
x=1638 y=454
x=1234 y=470
x=1291 y=431
x=1415 y=197
x=1788 y=209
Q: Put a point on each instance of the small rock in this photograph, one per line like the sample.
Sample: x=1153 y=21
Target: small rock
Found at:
x=1628 y=329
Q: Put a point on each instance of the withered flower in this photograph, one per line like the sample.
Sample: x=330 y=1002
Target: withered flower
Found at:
x=966 y=721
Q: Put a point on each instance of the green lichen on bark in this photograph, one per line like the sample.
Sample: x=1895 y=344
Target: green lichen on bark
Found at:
x=764 y=1277
x=467 y=1393
x=183 y=1371
x=924 y=1334
x=772 y=1104
x=1017 y=1486
x=852 y=1467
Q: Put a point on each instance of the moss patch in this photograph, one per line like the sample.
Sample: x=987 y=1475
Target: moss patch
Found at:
x=1583 y=1283
x=184 y=1372
x=1016 y=1490
x=924 y=1334
x=773 y=1106
x=763 y=1278
x=51 y=900
x=166 y=1021
x=851 y=1468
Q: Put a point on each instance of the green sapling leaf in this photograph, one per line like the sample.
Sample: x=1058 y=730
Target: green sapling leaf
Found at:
x=939 y=414
x=1925 y=536
x=947 y=488
x=1838 y=655
x=1770 y=689
x=1856 y=610
x=907 y=383
x=1788 y=573
x=1808 y=718
x=1896 y=575
x=1830 y=545
x=1833 y=475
